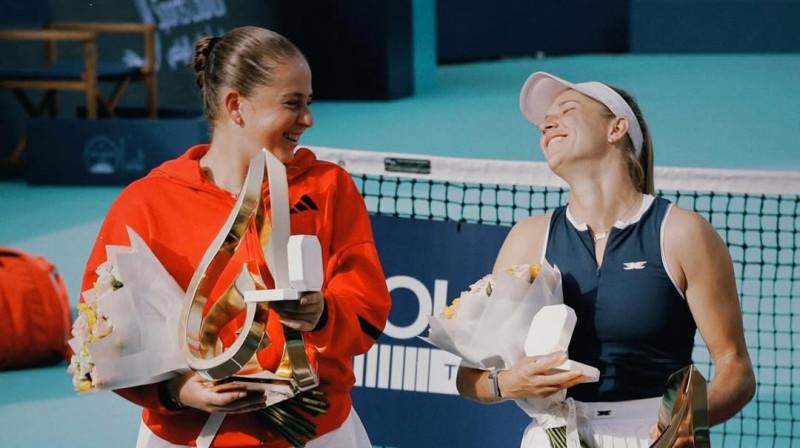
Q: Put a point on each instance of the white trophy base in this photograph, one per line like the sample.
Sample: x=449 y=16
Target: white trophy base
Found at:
x=271 y=295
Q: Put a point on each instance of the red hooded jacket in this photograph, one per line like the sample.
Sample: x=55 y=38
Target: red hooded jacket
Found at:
x=178 y=212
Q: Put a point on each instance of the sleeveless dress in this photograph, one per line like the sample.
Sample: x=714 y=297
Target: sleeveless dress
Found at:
x=633 y=324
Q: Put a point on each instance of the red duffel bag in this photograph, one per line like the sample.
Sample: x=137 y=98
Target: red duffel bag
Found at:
x=35 y=317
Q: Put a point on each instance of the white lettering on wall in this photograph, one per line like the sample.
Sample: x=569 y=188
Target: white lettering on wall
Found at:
x=173 y=13
x=172 y=45
x=426 y=305
x=398 y=367
x=416 y=369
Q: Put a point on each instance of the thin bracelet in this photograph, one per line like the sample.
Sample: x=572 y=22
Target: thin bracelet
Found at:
x=494 y=384
x=166 y=398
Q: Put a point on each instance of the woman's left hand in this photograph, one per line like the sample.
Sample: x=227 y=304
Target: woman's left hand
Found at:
x=531 y=376
x=302 y=314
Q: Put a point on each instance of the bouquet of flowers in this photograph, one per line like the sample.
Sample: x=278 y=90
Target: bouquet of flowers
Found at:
x=487 y=325
x=125 y=333
x=492 y=325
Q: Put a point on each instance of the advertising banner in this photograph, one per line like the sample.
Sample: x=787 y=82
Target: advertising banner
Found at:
x=106 y=152
x=405 y=388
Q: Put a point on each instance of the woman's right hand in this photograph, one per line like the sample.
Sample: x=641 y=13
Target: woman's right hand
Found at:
x=529 y=377
x=197 y=392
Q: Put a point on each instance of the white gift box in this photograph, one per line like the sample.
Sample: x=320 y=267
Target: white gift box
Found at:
x=305 y=263
x=551 y=331
x=304 y=257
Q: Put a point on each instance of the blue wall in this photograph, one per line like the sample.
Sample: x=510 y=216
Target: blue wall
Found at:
x=476 y=30
x=715 y=26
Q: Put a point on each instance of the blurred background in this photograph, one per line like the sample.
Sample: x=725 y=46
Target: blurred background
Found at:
x=700 y=69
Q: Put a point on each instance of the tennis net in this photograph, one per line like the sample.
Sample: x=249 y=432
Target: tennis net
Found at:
x=757 y=213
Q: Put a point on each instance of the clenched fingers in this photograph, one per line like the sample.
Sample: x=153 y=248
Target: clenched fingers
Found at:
x=302 y=314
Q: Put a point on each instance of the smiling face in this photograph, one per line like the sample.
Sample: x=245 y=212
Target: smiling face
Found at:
x=276 y=115
x=575 y=128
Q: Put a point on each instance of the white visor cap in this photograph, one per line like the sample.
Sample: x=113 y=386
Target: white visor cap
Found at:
x=541 y=89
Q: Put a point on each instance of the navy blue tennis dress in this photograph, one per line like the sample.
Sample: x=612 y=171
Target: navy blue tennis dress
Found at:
x=633 y=323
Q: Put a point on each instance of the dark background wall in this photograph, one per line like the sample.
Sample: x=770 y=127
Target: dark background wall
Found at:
x=358 y=49
x=382 y=50
x=715 y=26
x=180 y=24
x=476 y=29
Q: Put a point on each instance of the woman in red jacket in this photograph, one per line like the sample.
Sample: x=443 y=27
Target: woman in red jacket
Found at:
x=256 y=91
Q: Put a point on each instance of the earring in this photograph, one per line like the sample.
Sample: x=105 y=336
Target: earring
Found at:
x=240 y=122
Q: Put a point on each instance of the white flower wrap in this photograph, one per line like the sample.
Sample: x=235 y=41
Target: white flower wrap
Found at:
x=136 y=327
x=489 y=333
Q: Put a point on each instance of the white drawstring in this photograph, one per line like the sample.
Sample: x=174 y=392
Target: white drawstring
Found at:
x=573 y=439
x=554 y=415
x=210 y=429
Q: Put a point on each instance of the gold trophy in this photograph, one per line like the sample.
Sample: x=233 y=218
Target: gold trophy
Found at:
x=684 y=400
x=295 y=263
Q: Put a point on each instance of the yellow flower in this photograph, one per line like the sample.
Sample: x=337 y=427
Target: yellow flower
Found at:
x=450 y=311
x=525 y=271
x=91 y=317
x=91 y=314
x=484 y=286
x=535 y=270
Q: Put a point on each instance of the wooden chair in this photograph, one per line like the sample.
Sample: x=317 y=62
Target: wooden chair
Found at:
x=85 y=74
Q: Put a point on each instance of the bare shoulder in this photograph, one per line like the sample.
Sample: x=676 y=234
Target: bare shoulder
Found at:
x=691 y=243
x=525 y=242
x=532 y=224
x=685 y=227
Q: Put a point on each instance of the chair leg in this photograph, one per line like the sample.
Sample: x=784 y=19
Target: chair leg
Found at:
x=51 y=100
x=151 y=86
x=14 y=165
x=26 y=103
x=106 y=105
x=111 y=105
x=19 y=151
x=49 y=103
x=91 y=100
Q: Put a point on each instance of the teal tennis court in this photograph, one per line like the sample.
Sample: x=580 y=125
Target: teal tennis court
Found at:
x=732 y=112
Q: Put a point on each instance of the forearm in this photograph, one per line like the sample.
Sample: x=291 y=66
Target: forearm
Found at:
x=357 y=304
x=146 y=396
x=474 y=385
x=731 y=388
x=528 y=377
x=344 y=330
